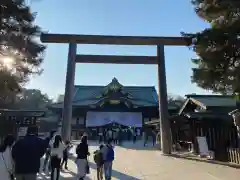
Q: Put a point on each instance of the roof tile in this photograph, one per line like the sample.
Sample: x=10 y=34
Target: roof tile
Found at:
x=87 y=95
x=216 y=101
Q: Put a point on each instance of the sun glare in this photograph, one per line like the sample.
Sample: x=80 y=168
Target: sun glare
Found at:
x=8 y=62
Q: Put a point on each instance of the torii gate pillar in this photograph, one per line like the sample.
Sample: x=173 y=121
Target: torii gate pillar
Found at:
x=69 y=89
x=165 y=129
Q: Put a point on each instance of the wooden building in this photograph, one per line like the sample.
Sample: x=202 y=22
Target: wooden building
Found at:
x=14 y=121
x=97 y=107
x=206 y=115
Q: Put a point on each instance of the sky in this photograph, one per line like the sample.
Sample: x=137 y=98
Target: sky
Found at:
x=117 y=17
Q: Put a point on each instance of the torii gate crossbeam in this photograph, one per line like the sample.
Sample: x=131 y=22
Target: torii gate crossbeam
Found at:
x=73 y=58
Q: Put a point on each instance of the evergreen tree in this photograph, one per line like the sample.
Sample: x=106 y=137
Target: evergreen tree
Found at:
x=32 y=99
x=218 y=47
x=20 y=51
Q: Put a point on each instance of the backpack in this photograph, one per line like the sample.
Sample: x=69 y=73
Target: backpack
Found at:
x=110 y=154
x=98 y=157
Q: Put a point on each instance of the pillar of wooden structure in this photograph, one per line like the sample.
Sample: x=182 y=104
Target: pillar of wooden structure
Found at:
x=163 y=102
x=116 y=40
x=69 y=90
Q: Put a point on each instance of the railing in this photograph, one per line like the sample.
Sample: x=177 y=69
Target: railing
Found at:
x=234 y=155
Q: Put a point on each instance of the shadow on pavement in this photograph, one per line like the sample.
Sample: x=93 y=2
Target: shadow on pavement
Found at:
x=71 y=176
x=116 y=174
x=139 y=145
x=65 y=174
x=197 y=159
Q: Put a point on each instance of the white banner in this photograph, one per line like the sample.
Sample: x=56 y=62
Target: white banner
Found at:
x=124 y=118
x=22 y=131
x=203 y=146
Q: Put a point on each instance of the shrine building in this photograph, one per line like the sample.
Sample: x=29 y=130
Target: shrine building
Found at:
x=95 y=107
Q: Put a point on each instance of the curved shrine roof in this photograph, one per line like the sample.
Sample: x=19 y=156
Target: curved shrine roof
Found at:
x=90 y=95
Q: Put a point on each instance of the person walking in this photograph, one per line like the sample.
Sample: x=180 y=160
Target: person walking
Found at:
x=114 y=136
x=145 y=137
x=105 y=135
x=98 y=158
x=27 y=153
x=109 y=135
x=100 y=134
x=153 y=134
x=48 y=151
x=81 y=161
x=134 y=134
x=120 y=136
x=57 y=148
x=6 y=161
x=108 y=158
x=158 y=139
x=66 y=155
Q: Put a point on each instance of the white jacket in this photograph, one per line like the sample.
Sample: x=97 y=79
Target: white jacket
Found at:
x=6 y=164
x=57 y=151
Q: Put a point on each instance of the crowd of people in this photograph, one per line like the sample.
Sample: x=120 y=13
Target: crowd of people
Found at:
x=117 y=135
x=21 y=159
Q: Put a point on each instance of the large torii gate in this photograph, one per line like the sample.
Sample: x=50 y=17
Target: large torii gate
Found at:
x=159 y=60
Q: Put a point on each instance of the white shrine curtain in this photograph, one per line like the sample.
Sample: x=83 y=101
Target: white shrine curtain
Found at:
x=133 y=119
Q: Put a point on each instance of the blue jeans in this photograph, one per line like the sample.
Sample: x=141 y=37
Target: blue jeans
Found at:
x=108 y=170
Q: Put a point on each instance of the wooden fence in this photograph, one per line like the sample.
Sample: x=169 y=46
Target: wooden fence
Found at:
x=233 y=155
x=221 y=137
x=218 y=135
x=222 y=140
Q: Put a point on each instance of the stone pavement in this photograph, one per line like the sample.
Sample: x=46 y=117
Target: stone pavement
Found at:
x=134 y=162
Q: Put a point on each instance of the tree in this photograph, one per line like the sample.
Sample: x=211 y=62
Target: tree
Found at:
x=20 y=52
x=60 y=98
x=32 y=99
x=175 y=100
x=218 y=47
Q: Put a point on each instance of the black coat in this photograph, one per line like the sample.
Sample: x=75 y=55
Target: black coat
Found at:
x=82 y=151
x=27 y=154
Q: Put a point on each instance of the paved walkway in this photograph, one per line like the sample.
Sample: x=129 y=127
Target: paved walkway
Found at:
x=133 y=162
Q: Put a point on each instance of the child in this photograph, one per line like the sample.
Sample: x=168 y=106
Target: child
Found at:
x=98 y=158
x=66 y=155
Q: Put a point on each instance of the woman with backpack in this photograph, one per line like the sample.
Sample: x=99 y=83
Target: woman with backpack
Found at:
x=57 y=148
x=81 y=161
x=6 y=162
x=98 y=159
